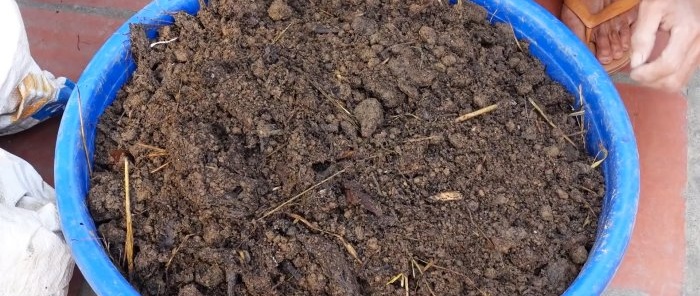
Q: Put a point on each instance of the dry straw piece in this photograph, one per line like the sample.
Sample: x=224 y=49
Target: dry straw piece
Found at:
x=346 y=244
x=129 y=241
x=549 y=121
x=448 y=196
x=82 y=131
x=476 y=113
x=300 y=194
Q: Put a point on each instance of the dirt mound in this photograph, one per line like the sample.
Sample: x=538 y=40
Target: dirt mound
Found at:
x=303 y=148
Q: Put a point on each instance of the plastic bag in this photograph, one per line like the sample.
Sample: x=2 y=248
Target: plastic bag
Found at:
x=34 y=258
x=28 y=95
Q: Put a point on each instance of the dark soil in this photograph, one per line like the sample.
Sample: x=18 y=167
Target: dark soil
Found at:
x=347 y=110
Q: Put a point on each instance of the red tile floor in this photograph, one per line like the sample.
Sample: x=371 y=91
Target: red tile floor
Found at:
x=64 y=34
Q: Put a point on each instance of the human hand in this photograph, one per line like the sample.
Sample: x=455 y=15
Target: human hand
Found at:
x=681 y=57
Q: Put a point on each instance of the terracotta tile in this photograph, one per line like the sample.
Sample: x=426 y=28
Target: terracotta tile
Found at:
x=36 y=146
x=133 y=5
x=655 y=258
x=64 y=42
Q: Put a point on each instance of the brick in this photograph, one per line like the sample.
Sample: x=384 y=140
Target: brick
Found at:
x=655 y=258
x=133 y=5
x=64 y=42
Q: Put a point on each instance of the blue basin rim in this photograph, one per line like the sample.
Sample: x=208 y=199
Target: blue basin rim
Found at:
x=567 y=60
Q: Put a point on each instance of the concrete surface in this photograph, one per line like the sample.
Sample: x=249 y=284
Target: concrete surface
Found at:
x=624 y=292
x=692 y=216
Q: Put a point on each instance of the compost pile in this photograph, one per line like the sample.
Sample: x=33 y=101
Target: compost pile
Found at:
x=312 y=148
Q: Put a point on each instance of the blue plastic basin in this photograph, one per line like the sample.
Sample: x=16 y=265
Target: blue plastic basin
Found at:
x=567 y=60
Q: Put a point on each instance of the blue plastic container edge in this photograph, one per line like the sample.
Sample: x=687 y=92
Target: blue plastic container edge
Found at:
x=622 y=163
x=620 y=205
x=112 y=63
x=621 y=166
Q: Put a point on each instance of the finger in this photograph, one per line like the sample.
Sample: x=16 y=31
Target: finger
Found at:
x=679 y=79
x=625 y=37
x=615 y=44
x=674 y=82
x=603 y=49
x=644 y=35
x=671 y=58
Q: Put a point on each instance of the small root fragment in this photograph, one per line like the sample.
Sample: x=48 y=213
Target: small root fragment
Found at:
x=586 y=189
x=582 y=132
x=175 y=251
x=282 y=33
x=326 y=95
x=549 y=121
x=348 y=247
x=151 y=147
x=162 y=42
x=481 y=232
x=157 y=154
x=576 y=113
x=585 y=202
x=431 y=138
x=597 y=162
x=106 y=244
x=470 y=282
x=160 y=168
x=476 y=113
x=516 y=38
x=448 y=196
x=588 y=206
x=347 y=154
x=277 y=208
x=582 y=119
x=394 y=117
